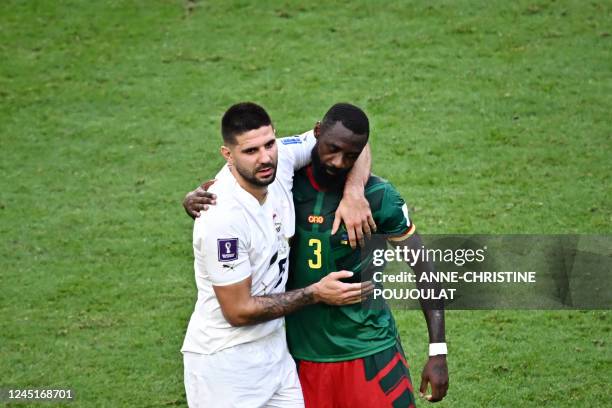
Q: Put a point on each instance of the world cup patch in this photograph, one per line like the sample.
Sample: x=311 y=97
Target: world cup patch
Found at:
x=227 y=249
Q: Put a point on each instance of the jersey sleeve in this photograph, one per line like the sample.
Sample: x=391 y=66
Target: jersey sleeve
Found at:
x=221 y=249
x=297 y=150
x=393 y=218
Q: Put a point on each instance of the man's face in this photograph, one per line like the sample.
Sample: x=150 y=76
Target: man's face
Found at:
x=338 y=149
x=255 y=155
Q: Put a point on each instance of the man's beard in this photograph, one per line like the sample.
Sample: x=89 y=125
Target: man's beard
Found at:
x=251 y=177
x=321 y=172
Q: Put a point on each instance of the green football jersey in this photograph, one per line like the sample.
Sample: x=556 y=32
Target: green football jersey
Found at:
x=337 y=333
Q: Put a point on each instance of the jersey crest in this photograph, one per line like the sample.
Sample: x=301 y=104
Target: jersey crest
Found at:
x=277 y=222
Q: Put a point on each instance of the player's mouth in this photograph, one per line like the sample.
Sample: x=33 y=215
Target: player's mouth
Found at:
x=331 y=171
x=267 y=172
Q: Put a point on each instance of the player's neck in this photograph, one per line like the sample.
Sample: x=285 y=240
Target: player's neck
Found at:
x=259 y=192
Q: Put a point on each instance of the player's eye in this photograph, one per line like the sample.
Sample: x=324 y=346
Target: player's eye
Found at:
x=250 y=151
x=270 y=144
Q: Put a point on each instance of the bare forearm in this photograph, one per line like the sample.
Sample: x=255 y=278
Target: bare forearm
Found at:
x=433 y=310
x=241 y=309
x=269 y=307
x=360 y=173
x=435 y=325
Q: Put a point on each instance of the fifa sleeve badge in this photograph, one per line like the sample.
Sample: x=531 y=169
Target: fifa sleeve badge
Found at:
x=227 y=249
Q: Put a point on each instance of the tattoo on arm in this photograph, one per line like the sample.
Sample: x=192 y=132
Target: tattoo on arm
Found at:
x=270 y=307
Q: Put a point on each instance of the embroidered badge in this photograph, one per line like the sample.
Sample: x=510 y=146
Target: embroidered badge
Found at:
x=227 y=249
x=277 y=222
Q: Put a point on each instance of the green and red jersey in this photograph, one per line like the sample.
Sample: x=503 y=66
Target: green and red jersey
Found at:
x=331 y=333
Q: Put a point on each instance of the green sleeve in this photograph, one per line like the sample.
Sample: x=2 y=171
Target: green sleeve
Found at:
x=392 y=217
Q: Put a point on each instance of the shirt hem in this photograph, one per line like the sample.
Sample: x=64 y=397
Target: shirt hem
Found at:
x=346 y=357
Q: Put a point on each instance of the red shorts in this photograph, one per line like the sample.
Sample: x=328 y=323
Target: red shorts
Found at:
x=376 y=381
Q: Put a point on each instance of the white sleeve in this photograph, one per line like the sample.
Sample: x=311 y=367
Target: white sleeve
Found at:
x=221 y=250
x=297 y=149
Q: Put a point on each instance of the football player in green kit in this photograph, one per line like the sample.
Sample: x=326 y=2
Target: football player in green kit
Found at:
x=350 y=356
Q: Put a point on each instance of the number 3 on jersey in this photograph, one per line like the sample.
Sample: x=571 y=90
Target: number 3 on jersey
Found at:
x=316 y=263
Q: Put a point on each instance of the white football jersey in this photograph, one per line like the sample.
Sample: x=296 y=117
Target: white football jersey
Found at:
x=238 y=238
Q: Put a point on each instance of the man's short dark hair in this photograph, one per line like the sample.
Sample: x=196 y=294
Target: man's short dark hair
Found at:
x=241 y=118
x=352 y=117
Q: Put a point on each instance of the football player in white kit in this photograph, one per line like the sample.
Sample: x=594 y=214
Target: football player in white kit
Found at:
x=235 y=353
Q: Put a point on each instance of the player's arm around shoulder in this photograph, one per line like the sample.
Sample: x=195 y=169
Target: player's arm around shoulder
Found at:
x=295 y=151
x=354 y=208
x=199 y=199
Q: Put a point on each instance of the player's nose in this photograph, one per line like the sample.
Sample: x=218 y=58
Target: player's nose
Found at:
x=265 y=157
x=337 y=161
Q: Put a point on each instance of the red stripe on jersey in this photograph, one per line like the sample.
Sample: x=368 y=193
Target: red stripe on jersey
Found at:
x=312 y=179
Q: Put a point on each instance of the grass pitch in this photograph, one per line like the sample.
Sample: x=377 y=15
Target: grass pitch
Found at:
x=489 y=117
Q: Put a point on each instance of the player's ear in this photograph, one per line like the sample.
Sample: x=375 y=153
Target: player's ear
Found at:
x=317 y=130
x=227 y=154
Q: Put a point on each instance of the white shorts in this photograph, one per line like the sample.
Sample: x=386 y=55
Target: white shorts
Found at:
x=256 y=374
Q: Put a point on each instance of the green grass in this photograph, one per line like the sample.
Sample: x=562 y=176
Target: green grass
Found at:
x=489 y=117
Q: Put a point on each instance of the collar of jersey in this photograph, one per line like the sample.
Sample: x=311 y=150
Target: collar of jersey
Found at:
x=245 y=198
x=312 y=180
